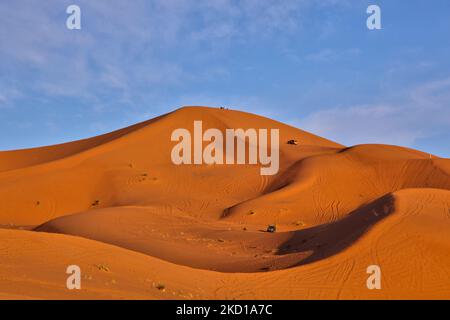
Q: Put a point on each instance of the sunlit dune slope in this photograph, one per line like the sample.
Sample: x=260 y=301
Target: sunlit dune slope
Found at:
x=119 y=208
x=133 y=166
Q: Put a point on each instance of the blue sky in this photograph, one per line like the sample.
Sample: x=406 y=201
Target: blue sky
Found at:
x=310 y=63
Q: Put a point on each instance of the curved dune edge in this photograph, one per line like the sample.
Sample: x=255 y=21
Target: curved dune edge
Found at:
x=127 y=169
x=200 y=229
x=226 y=247
x=410 y=244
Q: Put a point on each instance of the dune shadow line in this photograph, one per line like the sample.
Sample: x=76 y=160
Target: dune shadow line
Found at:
x=329 y=239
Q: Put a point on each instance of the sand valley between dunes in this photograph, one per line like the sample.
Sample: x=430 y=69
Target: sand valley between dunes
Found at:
x=141 y=227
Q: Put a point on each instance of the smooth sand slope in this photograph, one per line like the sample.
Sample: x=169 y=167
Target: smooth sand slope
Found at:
x=142 y=228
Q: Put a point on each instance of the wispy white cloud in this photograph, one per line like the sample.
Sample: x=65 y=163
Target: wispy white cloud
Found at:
x=423 y=111
x=131 y=49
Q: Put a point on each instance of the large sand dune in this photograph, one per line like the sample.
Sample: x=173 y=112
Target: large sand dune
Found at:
x=116 y=206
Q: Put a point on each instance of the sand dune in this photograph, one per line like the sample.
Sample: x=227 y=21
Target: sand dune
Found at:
x=118 y=201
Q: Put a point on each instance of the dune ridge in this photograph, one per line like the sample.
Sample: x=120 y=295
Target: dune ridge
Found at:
x=117 y=200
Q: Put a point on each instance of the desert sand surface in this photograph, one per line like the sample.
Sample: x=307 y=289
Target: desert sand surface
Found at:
x=141 y=227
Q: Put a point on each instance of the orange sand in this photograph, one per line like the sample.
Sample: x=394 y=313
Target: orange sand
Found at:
x=116 y=206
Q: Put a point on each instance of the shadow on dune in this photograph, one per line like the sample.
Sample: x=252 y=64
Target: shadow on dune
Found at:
x=326 y=240
x=209 y=248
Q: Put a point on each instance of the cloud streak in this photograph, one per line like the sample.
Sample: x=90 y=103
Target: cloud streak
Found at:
x=421 y=113
x=130 y=51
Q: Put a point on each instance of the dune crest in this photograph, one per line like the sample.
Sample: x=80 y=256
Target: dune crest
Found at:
x=118 y=200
